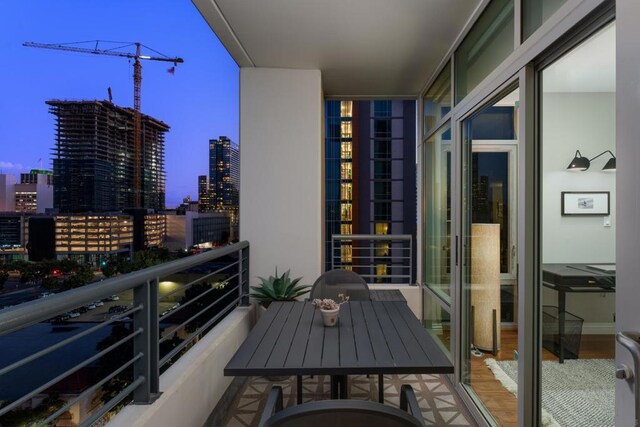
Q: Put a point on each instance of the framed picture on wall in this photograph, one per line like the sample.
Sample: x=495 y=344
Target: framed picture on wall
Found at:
x=585 y=203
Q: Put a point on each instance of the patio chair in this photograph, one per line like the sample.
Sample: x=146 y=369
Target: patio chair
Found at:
x=342 y=413
x=334 y=282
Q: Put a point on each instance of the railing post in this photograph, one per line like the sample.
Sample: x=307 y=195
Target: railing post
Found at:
x=243 y=278
x=146 y=342
x=154 y=338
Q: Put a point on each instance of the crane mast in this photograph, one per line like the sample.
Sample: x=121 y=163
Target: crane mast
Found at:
x=137 y=86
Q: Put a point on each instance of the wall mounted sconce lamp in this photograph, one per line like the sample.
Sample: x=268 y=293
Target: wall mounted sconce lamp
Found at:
x=581 y=163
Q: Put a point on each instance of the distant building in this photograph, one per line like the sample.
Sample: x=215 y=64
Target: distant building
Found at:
x=203 y=194
x=149 y=228
x=7 y=193
x=370 y=177
x=94 y=238
x=224 y=180
x=193 y=229
x=14 y=232
x=34 y=194
x=93 y=158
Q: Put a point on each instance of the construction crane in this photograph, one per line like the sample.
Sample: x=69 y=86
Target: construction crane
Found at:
x=137 y=83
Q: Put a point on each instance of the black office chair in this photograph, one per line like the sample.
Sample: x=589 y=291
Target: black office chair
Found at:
x=335 y=282
x=342 y=413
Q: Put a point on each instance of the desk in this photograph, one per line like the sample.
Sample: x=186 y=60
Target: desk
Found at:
x=579 y=278
x=371 y=337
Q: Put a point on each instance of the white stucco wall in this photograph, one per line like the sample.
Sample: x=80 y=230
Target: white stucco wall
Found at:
x=281 y=152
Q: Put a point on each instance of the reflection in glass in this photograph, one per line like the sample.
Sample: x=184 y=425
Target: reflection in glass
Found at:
x=437 y=221
x=536 y=12
x=437 y=100
x=437 y=321
x=487 y=44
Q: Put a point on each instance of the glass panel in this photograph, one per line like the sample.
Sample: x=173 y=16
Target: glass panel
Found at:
x=437 y=100
x=488 y=179
x=437 y=321
x=437 y=205
x=578 y=112
x=536 y=12
x=488 y=43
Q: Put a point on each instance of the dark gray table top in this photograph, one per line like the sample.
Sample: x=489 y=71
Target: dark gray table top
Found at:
x=387 y=295
x=371 y=337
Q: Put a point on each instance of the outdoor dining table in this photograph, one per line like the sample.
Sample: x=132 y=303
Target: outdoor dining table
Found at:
x=371 y=337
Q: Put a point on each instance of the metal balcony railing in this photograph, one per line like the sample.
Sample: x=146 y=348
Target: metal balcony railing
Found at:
x=378 y=258
x=162 y=311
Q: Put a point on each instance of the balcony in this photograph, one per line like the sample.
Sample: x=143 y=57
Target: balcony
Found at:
x=154 y=355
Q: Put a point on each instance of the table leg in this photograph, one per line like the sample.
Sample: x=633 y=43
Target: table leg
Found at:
x=299 y=389
x=381 y=388
x=344 y=386
x=334 y=387
x=561 y=320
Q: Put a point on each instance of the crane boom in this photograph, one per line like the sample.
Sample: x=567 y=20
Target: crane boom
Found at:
x=137 y=85
x=97 y=51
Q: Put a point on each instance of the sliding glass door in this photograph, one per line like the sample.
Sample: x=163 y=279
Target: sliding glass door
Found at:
x=578 y=245
x=488 y=230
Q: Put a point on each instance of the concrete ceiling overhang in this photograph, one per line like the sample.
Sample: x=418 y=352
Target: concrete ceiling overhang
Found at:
x=364 y=48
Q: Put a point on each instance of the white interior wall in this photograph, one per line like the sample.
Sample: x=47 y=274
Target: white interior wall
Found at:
x=281 y=170
x=584 y=121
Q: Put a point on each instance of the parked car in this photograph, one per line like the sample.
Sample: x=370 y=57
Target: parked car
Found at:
x=45 y=294
x=98 y=303
x=73 y=314
x=82 y=309
x=90 y=306
x=113 y=298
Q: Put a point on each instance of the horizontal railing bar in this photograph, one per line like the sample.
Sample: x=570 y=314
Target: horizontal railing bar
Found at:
x=29 y=313
x=192 y=301
x=193 y=282
x=372 y=237
x=110 y=404
x=166 y=337
x=378 y=257
x=69 y=340
x=90 y=390
x=66 y=373
x=179 y=347
x=387 y=276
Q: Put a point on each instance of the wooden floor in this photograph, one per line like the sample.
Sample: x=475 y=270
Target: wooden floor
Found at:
x=501 y=403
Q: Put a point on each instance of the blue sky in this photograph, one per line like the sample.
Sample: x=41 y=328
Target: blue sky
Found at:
x=199 y=102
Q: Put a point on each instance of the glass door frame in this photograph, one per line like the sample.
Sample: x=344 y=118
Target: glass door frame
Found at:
x=461 y=333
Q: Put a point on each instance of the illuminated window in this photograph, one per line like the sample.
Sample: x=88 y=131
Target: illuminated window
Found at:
x=345 y=191
x=345 y=211
x=382 y=249
x=382 y=228
x=346 y=108
x=346 y=253
x=345 y=129
x=381 y=270
x=345 y=228
x=346 y=170
x=345 y=150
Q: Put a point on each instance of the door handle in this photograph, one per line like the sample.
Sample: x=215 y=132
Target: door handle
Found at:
x=631 y=341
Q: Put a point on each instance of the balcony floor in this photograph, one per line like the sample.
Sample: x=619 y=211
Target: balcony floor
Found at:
x=439 y=403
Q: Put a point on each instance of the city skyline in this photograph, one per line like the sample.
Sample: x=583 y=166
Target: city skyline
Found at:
x=199 y=101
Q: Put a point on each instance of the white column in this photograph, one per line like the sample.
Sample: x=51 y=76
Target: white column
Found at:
x=281 y=160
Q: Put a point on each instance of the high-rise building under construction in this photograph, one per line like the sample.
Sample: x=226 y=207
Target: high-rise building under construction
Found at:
x=93 y=158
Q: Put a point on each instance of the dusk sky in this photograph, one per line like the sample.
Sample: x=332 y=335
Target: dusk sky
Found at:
x=199 y=102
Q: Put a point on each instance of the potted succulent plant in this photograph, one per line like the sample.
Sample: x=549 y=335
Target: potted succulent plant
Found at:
x=278 y=288
x=330 y=309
